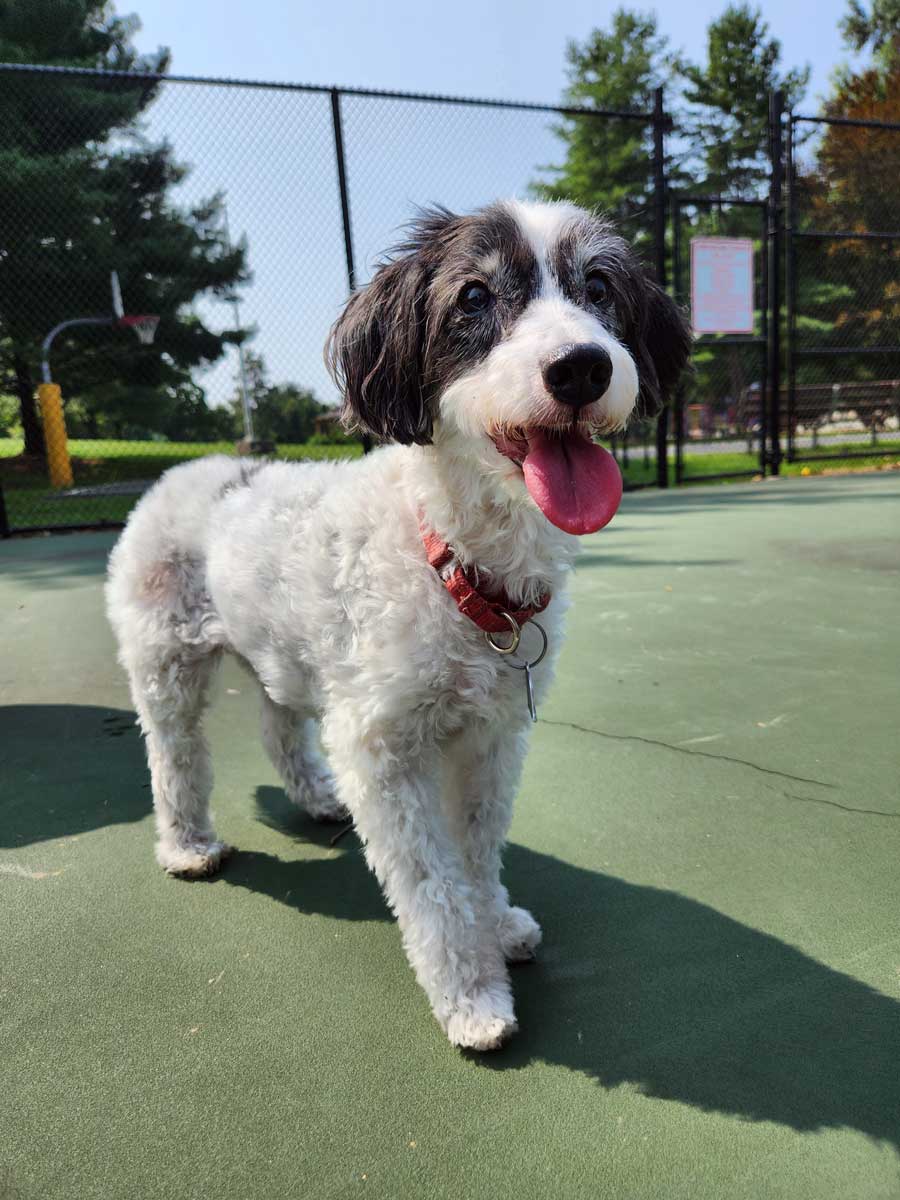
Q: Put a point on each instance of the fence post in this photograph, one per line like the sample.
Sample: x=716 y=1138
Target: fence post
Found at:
x=775 y=220
x=790 y=285
x=338 y=128
x=678 y=293
x=659 y=239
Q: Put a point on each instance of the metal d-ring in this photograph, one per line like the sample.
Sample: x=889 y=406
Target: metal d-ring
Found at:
x=516 y=636
x=526 y=668
x=528 y=665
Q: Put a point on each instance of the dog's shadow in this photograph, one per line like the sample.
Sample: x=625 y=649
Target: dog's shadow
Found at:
x=640 y=985
x=339 y=885
x=66 y=769
x=633 y=984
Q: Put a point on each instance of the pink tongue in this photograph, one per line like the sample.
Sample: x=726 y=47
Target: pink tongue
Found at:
x=574 y=482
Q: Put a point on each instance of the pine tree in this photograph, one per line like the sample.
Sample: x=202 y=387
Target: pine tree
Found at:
x=608 y=161
x=727 y=122
x=720 y=144
x=82 y=192
x=876 y=29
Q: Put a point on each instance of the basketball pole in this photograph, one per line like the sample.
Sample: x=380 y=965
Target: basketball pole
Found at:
x=59 y=464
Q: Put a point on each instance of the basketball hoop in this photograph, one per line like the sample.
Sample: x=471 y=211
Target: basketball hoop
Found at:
x=144 y=326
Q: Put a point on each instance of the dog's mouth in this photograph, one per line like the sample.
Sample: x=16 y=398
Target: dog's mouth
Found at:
x=574 y=482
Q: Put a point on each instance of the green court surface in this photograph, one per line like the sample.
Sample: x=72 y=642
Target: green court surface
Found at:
x=708 y=829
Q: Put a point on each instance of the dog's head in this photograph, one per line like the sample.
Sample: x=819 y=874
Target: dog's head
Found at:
x=521 y=331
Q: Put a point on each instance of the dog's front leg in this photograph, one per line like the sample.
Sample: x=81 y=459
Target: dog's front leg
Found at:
x=486 y=765
x=449 y=935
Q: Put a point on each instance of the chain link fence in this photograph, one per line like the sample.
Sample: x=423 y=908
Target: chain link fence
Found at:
x=242 y=214
x=843 y=288
x=722 y=406
x=218 y=207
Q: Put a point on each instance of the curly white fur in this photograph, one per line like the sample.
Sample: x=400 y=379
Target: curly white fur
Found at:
x=315 y=577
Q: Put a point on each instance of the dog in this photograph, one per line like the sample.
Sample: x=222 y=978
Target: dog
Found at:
x=374 y=601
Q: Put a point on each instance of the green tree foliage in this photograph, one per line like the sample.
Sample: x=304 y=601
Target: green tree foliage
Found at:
x=283 y=413
x=849 y=290
x=728 y=95
x=82 y=191
x=720 y=106
x=726 y=125
x=718 y=146
x=608 y=162
x=876 y=28
x=287 y=414
x=9 y=417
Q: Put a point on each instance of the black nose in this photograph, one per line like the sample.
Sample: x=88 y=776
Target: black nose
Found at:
x=577 y=375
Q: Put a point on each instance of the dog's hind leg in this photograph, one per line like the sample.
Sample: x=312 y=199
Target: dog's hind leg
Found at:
x=486 y=765
x=170 y=699
x=291 y=742
x=170 y=642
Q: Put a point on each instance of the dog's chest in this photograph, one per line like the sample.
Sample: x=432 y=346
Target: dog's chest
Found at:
x=514 y=693
x=472 y=683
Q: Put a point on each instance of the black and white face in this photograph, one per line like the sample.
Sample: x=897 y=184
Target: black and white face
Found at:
x=520 y=333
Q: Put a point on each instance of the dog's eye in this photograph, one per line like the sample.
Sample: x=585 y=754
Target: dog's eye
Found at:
x=474 y=298
x=596 y=287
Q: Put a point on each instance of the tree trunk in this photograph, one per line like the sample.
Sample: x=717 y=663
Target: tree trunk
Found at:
x=31 y=422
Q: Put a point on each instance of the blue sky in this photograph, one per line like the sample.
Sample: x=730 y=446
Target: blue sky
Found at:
x=272 y=153
x=512 y=49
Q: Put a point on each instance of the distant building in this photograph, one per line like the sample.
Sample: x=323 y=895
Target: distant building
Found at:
x=327 y=421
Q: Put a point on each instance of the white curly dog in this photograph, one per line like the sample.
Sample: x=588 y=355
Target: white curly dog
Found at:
x=490 y=348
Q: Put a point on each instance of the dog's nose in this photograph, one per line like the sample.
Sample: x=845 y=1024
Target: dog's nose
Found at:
x=578 y=375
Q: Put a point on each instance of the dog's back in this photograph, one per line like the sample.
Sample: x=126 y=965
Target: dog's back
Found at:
x=161 y=561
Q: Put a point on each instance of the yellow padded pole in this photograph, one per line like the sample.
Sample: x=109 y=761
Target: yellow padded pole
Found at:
x=55 y=439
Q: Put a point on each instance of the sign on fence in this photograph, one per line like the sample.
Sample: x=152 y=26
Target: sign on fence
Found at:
x=722 y=285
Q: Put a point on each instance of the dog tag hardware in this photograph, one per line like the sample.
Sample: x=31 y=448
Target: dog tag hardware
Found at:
x=529 y=692
x=526 y=665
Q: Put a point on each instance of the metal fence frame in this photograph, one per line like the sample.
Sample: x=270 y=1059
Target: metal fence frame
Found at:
x=792 y=234
x=655 y=120
x=679 y=200
x=779 y=234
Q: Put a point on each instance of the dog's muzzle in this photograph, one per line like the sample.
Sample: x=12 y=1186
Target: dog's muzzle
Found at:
x=577 y=375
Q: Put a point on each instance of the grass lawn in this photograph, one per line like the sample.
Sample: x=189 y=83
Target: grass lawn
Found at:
x=885 y=456
x=30 y=502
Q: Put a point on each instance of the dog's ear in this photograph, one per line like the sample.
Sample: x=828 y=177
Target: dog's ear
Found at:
x=375 y=354
x=661 y=345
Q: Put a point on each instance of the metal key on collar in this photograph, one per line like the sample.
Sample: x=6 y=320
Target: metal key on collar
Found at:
x=526 y=666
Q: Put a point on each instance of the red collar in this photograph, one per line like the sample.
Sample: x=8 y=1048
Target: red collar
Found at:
x=486 y=611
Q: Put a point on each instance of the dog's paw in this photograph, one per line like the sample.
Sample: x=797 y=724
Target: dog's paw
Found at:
x=317 y=797
x=520 y=935
x=328 y=810
x=482 y=1021
x=193 y=861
